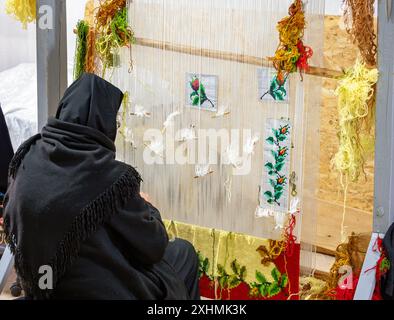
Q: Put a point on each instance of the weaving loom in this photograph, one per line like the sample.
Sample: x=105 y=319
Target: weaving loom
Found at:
x=200 y=190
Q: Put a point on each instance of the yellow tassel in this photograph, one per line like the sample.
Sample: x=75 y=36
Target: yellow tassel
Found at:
x=355 y=90
x=22 y=10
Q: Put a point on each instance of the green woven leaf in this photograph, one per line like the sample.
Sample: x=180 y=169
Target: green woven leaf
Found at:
x=268 y=195
x=270 y=140
x=275 y=274
x=273 y=289
x=235 y=267
x=233 y=282
x=263 y=290
x=279 y=166
x=274 y=154
x=243 y=273
x=269 y=165
x=284 y=281
x=260 y=277
x=196 y=101
x=278 y=195
x=278 y=188
x=280 y=159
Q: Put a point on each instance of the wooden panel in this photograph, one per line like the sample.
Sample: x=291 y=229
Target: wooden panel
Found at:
x=339 y=54
x=329 y=223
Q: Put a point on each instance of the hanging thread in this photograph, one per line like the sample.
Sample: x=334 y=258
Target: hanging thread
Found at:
x=291 y=53
x=359 y=20
x=81 y=48
x=113 y=30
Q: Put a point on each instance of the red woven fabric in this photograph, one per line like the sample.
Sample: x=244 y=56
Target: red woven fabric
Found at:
x=288 y=263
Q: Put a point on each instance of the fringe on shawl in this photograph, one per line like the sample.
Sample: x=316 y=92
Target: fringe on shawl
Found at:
x=85 y=224
x=20 y=154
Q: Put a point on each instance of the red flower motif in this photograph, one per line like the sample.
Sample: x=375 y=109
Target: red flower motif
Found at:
x=282 y=151
x=196 y=84
x=284 y=130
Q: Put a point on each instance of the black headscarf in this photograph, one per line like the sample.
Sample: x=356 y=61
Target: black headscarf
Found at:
x=6 y=153
x=65 y=182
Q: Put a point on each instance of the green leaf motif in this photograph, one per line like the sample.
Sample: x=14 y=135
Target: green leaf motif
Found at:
x=235 y=267
x=243 y=273
x=280 y=159
x=273 y=290
x=278 y=188
x=233 y=282
x=223 y=281
x=274 y=154
x=202 y=89
x=273 y=183
x=282 y=137
x=268 y=195
x=196 y=101
x=203 y=99
x=278 y=195
x=263 y=290
x=193 y=94
x=284 y=281
x=275 y=274
x=279 y=166
x=260 y=277
x=206 y=265
x=221 y=270
x=270 y=140
x=269 y=166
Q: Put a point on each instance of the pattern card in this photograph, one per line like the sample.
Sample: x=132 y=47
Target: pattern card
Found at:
x=271 y=88
x=274 y=191
x=202 y=91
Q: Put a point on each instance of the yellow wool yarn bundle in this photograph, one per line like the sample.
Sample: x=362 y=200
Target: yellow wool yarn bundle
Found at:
x=22 y=10
x=355 y=90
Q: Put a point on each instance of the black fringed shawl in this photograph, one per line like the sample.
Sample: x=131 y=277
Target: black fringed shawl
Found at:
x=66 y=183
x=6 y=153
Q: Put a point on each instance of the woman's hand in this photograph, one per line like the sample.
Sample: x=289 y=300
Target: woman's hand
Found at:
x=145 y=196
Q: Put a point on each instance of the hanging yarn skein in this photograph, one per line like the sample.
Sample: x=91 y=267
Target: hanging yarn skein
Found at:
x=291 y=53
x=113 y=30
x=354 y=91
x=81 y=49
x=359 y=20
x=22 y=10
x=90 y=51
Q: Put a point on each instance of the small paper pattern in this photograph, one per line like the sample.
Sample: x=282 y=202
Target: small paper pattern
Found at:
x=202 y=91
x=270 y=87
x=274 y=191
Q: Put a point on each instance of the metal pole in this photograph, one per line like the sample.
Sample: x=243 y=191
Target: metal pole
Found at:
x=51 y=56
x=384 y=150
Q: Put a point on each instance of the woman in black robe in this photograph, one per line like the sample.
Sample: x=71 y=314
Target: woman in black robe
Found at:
x=71 y=206
x=6 y=153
